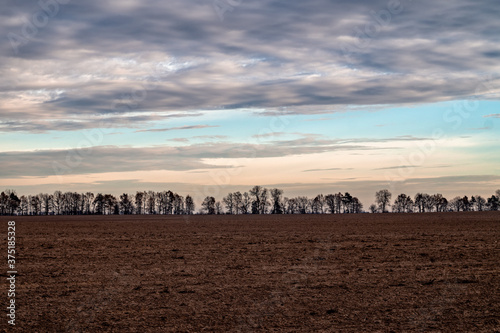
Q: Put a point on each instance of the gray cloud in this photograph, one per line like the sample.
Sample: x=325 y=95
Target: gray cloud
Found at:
x=329 y=169
x=190 y=157
x=96 y=57
x=176 y=128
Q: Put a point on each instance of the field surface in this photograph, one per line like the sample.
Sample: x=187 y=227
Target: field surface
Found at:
x=437 y=272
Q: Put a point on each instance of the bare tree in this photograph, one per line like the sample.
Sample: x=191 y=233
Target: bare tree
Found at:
x=456 y=204
x=218 y=208
x=189 y=205
x=255 y=192
x=318 y=204
x=263 y=202
x=208 y=205
x=402 y=204
x=383 y=198
x=276 y=198
x=479 y=203
x=126 y=206
x=139 y=198
x=246 y=203
x=228 y=201
x=330 y=203
x=493 y=203
x=238 y=199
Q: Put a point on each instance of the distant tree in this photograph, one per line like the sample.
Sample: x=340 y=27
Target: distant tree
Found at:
x=456 y=204
x=291 y=205
x=373 y=208
x=238 y=199
x=208 y=205
x=111 y=205
x=493 y=203
x=24 y=205
x=277 y=207
x=126 y=206
x=178 y=203
x=99 y=204
x=356 y=206
x=402 y=204
x=318 y=204
x=139 y=198
x=440 y=202
x=263 y=203
x=151 y=202
x=246 y=203
x=36 y=205
x=57 y=202
x=46 y=200
x=302 y=205
x=255 y=192
x=330 y=203
x=4 y=203
x=478 y=203
x=218 y=208
x=189 y=205
x=228 y=201
x=465 y=204
x=346 y=202
x=419 y=202
x=383 y=198
x=428 y=202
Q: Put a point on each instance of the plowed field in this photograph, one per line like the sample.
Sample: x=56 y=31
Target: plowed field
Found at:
x=302 y=273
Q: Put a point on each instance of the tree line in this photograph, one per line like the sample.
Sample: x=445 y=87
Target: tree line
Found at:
x=423 y=202
x=258 y=200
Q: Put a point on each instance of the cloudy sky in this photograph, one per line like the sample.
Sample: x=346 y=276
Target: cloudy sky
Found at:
x=211 y=96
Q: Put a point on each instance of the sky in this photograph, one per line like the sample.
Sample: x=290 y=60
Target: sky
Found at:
x=206 y=97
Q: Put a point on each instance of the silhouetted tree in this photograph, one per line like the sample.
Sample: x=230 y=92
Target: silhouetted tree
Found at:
x=139 y=198
x=246 y=203
x=402 y=204
x=237 y=199
x=276 y=198
x=330 y=203
x=189 y=205
x=318 y=204
x=255 y=192
x=465 y=204
x=208 y=205
x=126 y=206
x=456 y=204
x=346 y=202
x=493 y=202
x=383 y=198
x=228 y=201
x=99 y=204
x=218 y=208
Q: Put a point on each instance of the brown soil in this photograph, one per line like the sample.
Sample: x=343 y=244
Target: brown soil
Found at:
x=303 y=273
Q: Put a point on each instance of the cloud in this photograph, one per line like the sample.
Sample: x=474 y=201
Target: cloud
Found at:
x=330 y=169
x=109 y=58
x=176 y=128
x=101 y=159
x=495 y=115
